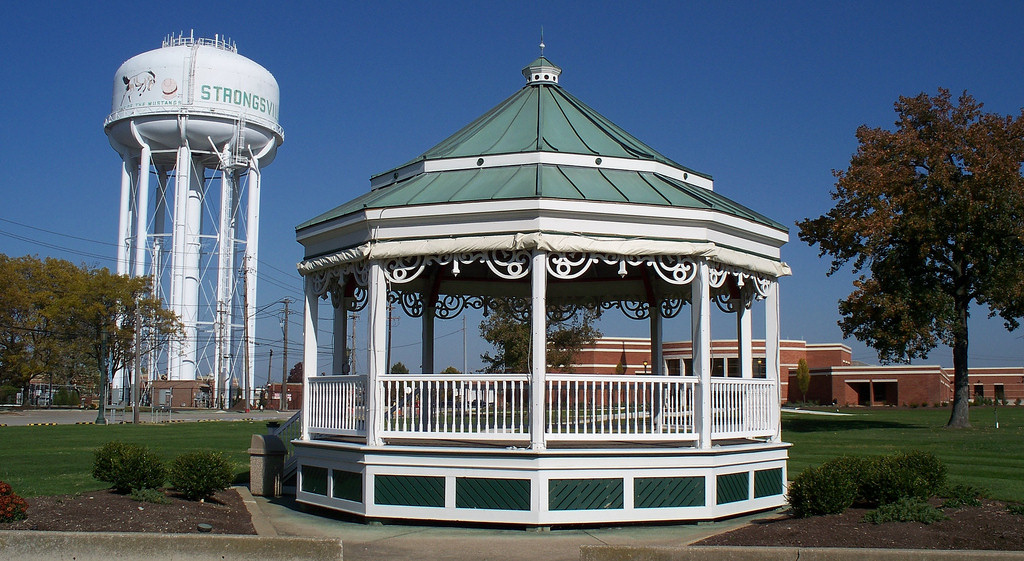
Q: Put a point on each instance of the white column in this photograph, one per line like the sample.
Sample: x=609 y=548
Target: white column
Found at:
x=744 y=342
x=700 y=320
x=339 y=355
x=309 y=349
x=538 y=339
x=377 y=339
x=142 y=212
x=223 y=317
x=124 y=222
x=183 y=171
x=772 y=330
x=252 y=237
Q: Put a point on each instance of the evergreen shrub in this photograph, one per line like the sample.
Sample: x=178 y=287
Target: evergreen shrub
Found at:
x=826 y=489
x=198 y=475
x=962 y=494
x=886 y=479
x=128 y=466
x=906 y=509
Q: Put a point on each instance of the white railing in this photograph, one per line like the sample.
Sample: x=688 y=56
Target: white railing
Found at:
x=337 y=405
x=496 y=407
x=466 y=406
x=619 y=407
x=742 y=408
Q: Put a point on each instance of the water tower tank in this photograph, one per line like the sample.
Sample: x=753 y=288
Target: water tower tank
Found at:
x=194 y=123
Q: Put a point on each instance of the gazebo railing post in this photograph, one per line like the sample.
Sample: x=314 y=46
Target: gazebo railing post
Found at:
x=377 y=310
x=538 y=340
x=700 y=304
x=772 y=359
x=309 y=349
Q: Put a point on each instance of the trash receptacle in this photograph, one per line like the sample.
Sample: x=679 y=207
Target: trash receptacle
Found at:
x=266 y=465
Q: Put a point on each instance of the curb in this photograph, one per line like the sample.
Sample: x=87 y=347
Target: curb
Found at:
x=260 y=521
x=716 y=553
x=29 y=545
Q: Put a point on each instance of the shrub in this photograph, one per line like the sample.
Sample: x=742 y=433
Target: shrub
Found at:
x=906 y=509
x=150 y=496
x=65 y=397
x=827 y=489
x=128 y=466
x=1015 y=508
x=198 y=475
x=886 y=479
x=962 y=495
x=12 y=507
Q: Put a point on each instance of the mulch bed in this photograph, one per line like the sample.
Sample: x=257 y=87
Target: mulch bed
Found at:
x=989 y=526
x=107 y=511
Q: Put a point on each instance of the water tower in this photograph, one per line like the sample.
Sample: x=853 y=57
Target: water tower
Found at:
x=194 y=123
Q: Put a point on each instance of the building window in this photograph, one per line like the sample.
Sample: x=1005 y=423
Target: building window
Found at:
x=760 y=368
x=733 y=367
x=688 y=367
x=718 y=367
x=999 y=391
x=979 y=391
x=673 y=367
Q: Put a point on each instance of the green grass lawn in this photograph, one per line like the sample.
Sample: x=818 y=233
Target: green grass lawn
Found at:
x=54 y=460
x=50 y=460
x=982 y=456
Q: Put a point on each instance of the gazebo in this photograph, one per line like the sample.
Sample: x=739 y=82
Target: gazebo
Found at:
x=544 y=206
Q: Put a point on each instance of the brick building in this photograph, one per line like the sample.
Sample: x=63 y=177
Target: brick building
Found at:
x=834 y=376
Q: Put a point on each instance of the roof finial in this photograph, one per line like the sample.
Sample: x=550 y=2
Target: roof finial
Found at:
x=542 y=40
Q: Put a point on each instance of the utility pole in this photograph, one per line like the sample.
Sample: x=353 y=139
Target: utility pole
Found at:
x=138 y=364
x=246 y=390
x=465 y=353
x=284 y=365
x=352 y=344
x=270 y=371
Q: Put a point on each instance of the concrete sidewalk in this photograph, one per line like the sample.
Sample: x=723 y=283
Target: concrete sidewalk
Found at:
x=398 y=541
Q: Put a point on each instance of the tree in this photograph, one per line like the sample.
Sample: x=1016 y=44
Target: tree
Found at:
x=73 y=322
x=296 y=373
x=399 y=368
x=510 y=336
x=934 y=211
x=803 y=378
x=451 y=370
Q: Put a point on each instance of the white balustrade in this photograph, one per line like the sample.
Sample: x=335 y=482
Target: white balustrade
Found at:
x=496 y=407
x=337 y=405
x=619 y=407
x=466 y=406
x=742 y=408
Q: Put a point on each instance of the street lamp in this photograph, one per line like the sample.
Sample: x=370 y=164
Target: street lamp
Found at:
x=645 y=367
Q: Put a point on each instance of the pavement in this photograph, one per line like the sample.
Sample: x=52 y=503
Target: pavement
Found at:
x=406 y=541
x=16 y=417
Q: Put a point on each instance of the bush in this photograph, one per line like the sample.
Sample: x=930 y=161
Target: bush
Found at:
x=65 y=397
x=128 y=467
x=154 y=496
x=827 y=489
x=886 y=479
x=962 y=495
x=1015 y=508
x=198 y=475
x=12 y=507
x=906 y=509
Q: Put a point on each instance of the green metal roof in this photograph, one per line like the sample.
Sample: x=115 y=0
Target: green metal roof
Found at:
x=541 y=117
x=544 y=181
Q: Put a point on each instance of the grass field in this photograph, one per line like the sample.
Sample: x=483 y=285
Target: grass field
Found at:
x=54 y=460
x=982 y=456
x=49 y=460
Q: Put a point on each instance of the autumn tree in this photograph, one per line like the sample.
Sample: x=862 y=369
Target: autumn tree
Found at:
x=933 y=213
x=803 y=378
x=509 y=334
x=79 y=321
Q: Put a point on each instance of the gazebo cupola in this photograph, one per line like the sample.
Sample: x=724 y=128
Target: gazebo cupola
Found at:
x=544 y=205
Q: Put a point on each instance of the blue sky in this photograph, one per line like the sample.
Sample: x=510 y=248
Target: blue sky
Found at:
x=764 y=96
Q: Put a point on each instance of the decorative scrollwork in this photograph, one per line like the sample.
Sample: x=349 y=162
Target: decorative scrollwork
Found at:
x=670 y=307
x=674 y=269
x=568 y=266
x=632 y=309
x=404 y=269
x=358 y=301
x=411 y=302
x=717 y=275
x=449 y=306
x=509 y=265
x=725 y=303
x=762 y=287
